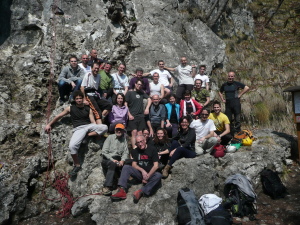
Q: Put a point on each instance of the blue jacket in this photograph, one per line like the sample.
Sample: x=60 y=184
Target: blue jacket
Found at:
x=169 y=110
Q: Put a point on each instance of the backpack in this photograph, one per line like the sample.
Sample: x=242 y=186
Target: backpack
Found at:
x=219 y=216
x=189 y=211
x=242 y=135
x=240 y=196
x=272 y=184
x=218 y=151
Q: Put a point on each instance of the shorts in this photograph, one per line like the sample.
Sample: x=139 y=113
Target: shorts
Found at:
x=138 y=124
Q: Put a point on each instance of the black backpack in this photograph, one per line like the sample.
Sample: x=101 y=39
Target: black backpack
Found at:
x=239 y=203
x=218 y=216
x=189 y=211
x=272 y=184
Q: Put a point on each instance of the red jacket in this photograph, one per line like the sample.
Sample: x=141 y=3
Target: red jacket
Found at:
x=197 y=106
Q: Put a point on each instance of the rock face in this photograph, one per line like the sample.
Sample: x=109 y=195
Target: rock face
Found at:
x=37 y=40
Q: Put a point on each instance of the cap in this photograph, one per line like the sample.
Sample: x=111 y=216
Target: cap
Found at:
x=120 y=126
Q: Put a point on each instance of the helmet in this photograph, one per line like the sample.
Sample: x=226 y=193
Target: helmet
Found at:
x=230 y=149
x=247 y=141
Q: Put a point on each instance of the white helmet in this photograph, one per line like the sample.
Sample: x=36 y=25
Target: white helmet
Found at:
x=230 y=149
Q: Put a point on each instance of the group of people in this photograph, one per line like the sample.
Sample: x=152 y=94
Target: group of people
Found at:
x=164 y=127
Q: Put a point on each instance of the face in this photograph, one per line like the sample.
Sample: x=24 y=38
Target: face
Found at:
x=138 y=85
x=93 y=54
x=107 y=68
x=139 y=74
x=141 y=142
x=202 y=70
x=95 y=69
x=183 y=61
x=121 y=69
x=155 y=100
x=120 y=100
x=79 y=100
x=185 y=124
x=198 y=84
x=161 y=65
x=187 y=97
x=73 y=62
x=204 y=114
x=119 y=132
x=217 y=108
x=160 y=134
x=84 y=59
x=172 y=100
x=146 y=134
x=231 y=76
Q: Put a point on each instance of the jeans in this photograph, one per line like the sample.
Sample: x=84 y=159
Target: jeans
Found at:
x=180 y=152
x=65 y=88
x=181 y=89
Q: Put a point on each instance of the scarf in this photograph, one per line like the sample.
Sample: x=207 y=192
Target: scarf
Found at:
x=184 y=106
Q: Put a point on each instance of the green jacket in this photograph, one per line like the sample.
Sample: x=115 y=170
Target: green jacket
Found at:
x=115 y=147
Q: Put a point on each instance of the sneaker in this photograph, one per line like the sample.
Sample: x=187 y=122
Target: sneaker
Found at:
x=137 y=195
x=75 y=170
x=106 y=191
x=120 y=195
x=61 y=102
x=71 y=99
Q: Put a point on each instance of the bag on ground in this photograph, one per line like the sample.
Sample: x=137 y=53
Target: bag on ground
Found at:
x=218 y=151
x=242 y=135
x=218 y=216
x=240 y=196
x=189 y=211
x=272 y=184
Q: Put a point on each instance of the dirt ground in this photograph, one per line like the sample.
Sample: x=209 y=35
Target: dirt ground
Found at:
x=285 y=211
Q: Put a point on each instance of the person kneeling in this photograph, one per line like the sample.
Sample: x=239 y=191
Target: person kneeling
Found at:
x=143 y=168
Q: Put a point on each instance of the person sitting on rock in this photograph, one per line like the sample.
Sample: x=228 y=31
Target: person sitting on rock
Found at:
x=119 y=112
x=114 y=152
x=222 y=123
x=69 y=79
x=200 y=94
x=172 y=119
x=204 y=128
x=189 y=107
x=202 y=76
x=157 y=115
x=90 y=85
x=157 y=88
x=162 y=145
x=183 y=145
x=94 y=59
x=139 y=76
x=146 y=134
x=106 y=84
x=84 y=125
x=186 y=74
x=143 y=168
x=120 y=81
x=84 y=64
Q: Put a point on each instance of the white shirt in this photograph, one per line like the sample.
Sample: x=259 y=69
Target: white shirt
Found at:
x=120 y=82
x=184 y=74
x=155 y=88
x=202 y=128
x=204 y=79
x=89 y=80
x=87 y=69
x=164 y=76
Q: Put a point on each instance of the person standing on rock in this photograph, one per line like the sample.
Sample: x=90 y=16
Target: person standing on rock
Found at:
x=120 y=81
x=90 y=85
x=232 y=101
x=84 y=64
x=114 y=152
x=139 y=75
x=202 y=76
x=94 y=58
x=143 y=168
x=222 y=123
x=186 y=74
x=83 y=125
x=69 y=80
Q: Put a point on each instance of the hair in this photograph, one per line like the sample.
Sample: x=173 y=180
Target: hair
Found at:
x=123 y=96
x=137 y=80
x=146 y=130
x=159 y=61
x=207 y=109
x=139 y=69
x=216 y=103
x=202 y=66
x=165 y=138
x=78 y=93
x=187 y=92
x=73 y=56
x=140 y=136
x=198 y=80
x=155 y=73
x=95 y=63
x=108 y=63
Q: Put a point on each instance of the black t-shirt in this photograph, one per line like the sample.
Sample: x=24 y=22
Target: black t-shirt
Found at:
x=173 y=117
x=231 y=89
x=135 y=102
x=189 y=108
x=146 y=157
x=80 y=115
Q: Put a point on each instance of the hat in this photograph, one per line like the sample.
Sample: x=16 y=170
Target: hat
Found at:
x=120 y=126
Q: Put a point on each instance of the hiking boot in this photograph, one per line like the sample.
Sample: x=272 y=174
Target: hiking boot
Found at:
x=120 y=195
x=61 y=102
x=137 y=195
x=75 y=170
x=166 y=170
x=106 y=191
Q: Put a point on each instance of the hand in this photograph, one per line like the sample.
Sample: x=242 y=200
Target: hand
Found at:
x=104 y=95
x=121 y=163
x=85 y=102
x=202 y=139
x=145 y=176
x=151 y=134
x=168 y=125
x=224 y=100
x=133 y=75
x=219 y=138
x=170 y=85
x=130 y=117
x=172 y=152
x=73 y=85
x=47 y=128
